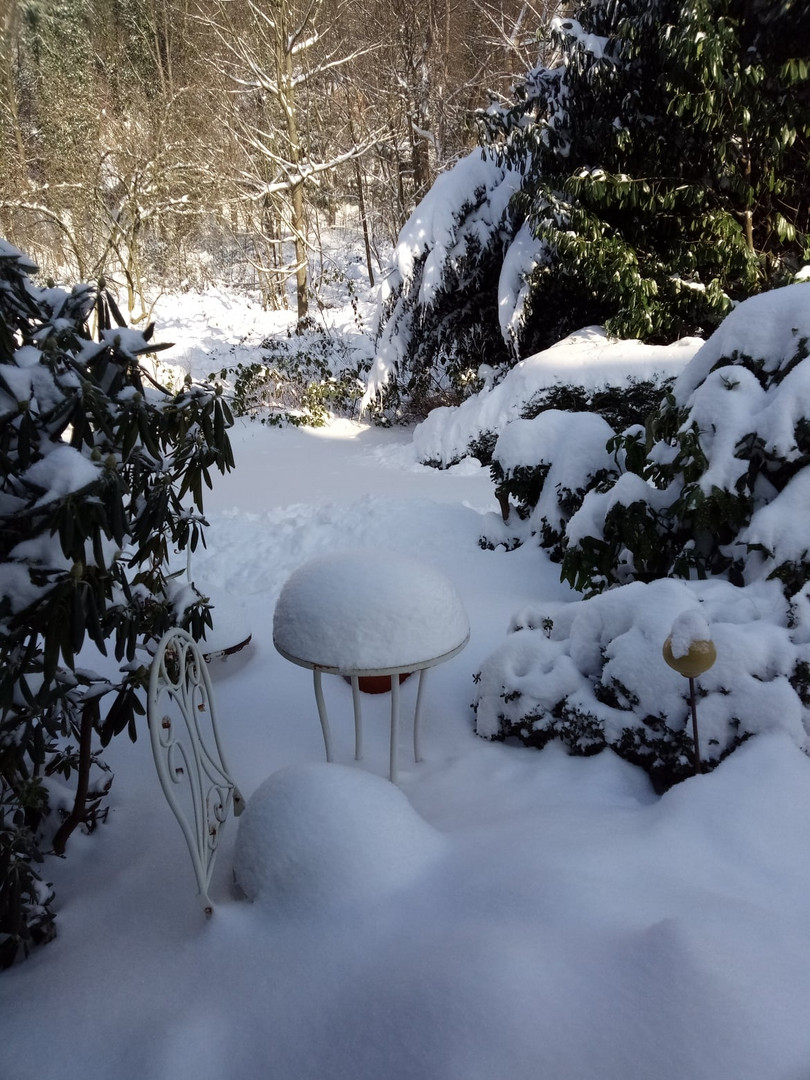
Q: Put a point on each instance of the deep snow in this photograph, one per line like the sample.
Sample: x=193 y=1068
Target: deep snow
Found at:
x=524 y=915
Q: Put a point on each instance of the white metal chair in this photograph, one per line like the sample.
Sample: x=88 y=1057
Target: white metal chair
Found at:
x=188 y=754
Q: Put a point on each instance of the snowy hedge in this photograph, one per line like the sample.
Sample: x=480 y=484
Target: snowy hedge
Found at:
x=717 y=486
x=586 y=371
x=714 y=490
x=591 y=674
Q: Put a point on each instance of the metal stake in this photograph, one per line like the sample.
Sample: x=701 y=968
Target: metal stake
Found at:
x=693 y=703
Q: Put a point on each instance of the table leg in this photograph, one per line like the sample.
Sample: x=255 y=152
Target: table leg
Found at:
x=417 y=756
x=327 y=741
x=358 y=719
x=392 y=772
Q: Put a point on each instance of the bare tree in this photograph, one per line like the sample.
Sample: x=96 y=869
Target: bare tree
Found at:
x=137 y=134
x=273 y=68
x=441 y=60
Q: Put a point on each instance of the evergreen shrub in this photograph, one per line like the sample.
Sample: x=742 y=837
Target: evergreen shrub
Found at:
x=714 y=491
x=650 y=174
x=102 y=480
x=301 y=379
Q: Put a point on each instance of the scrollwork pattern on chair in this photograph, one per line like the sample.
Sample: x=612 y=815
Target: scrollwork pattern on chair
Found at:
x=188 y=753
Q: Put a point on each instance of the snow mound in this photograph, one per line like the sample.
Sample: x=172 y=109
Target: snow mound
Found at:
x=587 y=358
x=591 y=674
x=367 y=611
x=316 y=836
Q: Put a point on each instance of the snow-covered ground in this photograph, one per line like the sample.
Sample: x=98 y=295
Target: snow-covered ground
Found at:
x=524 y=915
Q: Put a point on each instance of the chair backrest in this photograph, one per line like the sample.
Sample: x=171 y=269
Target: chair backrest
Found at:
x=188 y=753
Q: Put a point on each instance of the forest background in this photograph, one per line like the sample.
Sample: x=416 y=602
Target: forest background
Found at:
x=159 y=143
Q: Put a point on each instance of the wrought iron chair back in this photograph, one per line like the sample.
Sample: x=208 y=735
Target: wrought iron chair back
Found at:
x=188 y=754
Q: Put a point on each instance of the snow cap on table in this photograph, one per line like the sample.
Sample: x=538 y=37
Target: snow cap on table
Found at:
x=368 y=610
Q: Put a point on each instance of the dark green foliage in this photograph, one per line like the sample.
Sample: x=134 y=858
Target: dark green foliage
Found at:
x=480 y=448
x=662 y=157
x=592 y=677
x=665 y=754
x=622 y=406
x=26 y=917
x=668 y=166
x=625 y=407
x=433 y=342
x=453 y=336
x=102 y=479
x=523 y=485
x=689 y=531
x=580 y=734
x=711 y=490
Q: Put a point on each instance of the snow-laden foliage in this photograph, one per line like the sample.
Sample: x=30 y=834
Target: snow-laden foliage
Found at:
x=586 y=371
x=658 y=173
x=302 y=379
x=439 y=315
x=717 y=485
x=591 y=674
x=713 y=489
x=102 y=479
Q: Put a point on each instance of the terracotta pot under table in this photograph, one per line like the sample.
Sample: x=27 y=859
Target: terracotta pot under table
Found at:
x=377 y=684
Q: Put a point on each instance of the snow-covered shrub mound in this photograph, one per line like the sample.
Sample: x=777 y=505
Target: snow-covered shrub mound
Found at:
x=716 y=486
x=720 y=489
x=592 y=675
x=301 y=379
x=571 y=374
x=577 y=211
x=548 y=487
x=317 y=836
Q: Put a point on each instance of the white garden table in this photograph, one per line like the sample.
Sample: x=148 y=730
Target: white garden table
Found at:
x=366 y=613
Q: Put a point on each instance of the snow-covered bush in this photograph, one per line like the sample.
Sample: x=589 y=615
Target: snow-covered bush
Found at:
x=26 y=915
x=591 y=674
x=439 y=313
x=548 y=486
x=585 y=372
x=102 y=479
x=611 y=192
x=716 y=490
x=301 y=379
x=719 y=486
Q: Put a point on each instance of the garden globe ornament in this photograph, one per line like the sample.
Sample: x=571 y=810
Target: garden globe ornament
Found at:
x=690 y=650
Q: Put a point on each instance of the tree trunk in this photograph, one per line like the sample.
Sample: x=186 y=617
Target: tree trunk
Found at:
x=79 y=812
x=301 y=258
x=361 y=203
x=748 y=215
x=286 y=95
